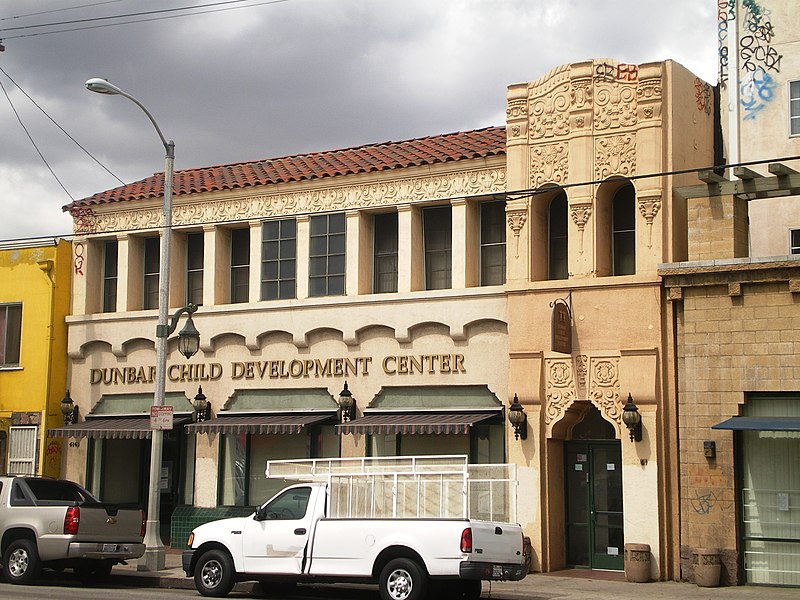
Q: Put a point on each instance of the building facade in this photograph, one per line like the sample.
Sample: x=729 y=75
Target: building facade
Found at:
x=34 y=301
x=419 y=279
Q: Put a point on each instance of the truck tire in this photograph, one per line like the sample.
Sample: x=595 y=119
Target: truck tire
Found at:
x=402 y=579
x=213 y=574
x=21 y=562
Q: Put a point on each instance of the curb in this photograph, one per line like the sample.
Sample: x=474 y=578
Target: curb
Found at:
x=175 y=583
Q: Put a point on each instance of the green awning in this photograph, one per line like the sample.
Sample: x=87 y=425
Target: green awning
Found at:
x=267 y=400
x=760 y=424
x=123 y=428
x=436 y=397
x=264 y=424
x=392 y=423
x=138 y=404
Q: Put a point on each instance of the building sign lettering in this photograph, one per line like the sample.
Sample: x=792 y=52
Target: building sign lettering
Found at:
x=421 y=364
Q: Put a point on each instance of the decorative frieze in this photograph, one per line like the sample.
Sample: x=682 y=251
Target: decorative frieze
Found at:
x=343 y=197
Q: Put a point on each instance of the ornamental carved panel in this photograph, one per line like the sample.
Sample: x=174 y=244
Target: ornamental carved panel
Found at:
x=604 y=388
x=549 y=164
x=614 y=106
x=561 y=390
x=549 y=114
x=615 y=155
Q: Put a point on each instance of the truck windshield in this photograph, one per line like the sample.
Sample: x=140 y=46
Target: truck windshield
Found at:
x=291 y=504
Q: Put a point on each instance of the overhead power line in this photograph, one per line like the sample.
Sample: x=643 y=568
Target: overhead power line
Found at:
x=55 y=10
x=161 y=14
x=52 y=120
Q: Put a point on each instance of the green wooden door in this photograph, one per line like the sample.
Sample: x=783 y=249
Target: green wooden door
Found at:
x=594 y=505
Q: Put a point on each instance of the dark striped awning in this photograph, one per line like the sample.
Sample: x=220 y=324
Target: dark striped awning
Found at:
x=760 y=424
x=283 y=423
x=124 y=428
x=414 y=423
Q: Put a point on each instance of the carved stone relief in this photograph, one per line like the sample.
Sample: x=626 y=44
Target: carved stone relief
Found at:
x=614 y=106
x=615 y=155
x=604 y=388
x=241 y=208
x=561 y=390
x=649 y=205
x=580 y=212
x=516 y=221
x=549 y=114
x=549 y=164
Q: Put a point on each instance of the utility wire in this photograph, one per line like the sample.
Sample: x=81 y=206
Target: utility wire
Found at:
x=44 y=160
x=64 y=131
x=55 y=10
x=159 y=18
x=124 y=16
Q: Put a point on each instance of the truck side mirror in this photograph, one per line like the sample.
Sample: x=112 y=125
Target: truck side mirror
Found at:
x=260 y=513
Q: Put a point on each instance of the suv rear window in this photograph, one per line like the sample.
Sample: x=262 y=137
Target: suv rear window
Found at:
x=49 y=489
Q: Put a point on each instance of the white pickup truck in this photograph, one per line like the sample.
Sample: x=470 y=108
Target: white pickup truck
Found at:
x=401 y=522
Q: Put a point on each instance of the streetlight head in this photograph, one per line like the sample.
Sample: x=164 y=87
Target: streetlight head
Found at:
x=102 y=86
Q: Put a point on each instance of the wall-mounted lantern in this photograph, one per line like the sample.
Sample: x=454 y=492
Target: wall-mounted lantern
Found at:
x=518 y=419
x=632 y=420
x=347 y=404
x=201 y=405
x=69 y=409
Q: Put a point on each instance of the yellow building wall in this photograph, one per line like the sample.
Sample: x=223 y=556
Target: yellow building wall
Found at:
x=39 y=278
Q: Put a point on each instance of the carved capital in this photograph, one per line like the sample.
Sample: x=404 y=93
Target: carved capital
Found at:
x=580 y=213
x=649 y=205
x=516 y=218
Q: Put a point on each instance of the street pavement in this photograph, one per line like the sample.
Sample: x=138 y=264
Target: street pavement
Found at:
x=564 y=585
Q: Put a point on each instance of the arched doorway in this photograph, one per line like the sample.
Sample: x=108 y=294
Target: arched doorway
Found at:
x=593 y=491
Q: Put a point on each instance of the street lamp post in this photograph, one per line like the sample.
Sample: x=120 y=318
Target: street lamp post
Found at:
x=153 y=559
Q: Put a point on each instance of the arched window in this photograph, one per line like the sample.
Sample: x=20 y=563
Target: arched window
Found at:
x=557 y=242
x=623 y=231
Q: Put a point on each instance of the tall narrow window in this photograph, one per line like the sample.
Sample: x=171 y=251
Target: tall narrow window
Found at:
x=794 y=107
x=110 y=252
x=438 y=239
x=194 y=268
x=240 y=265
x=557 y=247
x=151 y=268
x=278 y=259
x=327 y=255
x=10 y=334
x=493 y=243
x=385 y=259
x=623 y=234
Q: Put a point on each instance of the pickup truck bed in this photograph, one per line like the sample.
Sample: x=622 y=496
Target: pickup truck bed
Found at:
x=58 y=524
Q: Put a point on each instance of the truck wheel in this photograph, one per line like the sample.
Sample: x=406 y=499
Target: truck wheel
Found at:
x=402 y=579
x=213 y=574
x=21 y=561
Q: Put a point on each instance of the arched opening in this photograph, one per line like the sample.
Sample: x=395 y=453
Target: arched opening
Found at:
x=615 y=233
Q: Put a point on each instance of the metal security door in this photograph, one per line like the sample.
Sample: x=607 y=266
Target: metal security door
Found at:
x=594 y=505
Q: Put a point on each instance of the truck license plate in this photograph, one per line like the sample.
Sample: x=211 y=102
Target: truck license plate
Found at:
x=109 y=547
x=497 y=571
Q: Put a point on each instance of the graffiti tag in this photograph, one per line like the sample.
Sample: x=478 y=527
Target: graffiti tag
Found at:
x=755 y=91
x=79 y=259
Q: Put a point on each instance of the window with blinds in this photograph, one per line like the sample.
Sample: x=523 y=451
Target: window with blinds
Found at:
x=22 y=450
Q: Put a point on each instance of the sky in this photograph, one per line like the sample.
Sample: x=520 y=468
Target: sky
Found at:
x=271 y=79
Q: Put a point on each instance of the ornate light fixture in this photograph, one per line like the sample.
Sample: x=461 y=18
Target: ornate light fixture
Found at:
x=201 y=405
x=518 y=419
x=69 y=409
x=347 y=404
x=189 y=337
x=632 y=420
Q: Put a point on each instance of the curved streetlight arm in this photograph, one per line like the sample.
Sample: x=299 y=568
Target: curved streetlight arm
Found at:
x=102 y=86
x=163 y=331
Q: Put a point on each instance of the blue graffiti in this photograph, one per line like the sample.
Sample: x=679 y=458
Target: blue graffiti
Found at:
x=756 y=90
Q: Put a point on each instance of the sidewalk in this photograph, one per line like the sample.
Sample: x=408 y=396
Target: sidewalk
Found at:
x=564 y=585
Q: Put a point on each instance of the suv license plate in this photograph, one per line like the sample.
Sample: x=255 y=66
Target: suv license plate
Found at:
x=109 y=547
x=497 y=571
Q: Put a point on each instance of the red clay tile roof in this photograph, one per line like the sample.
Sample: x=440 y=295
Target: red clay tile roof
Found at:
x=479 y=143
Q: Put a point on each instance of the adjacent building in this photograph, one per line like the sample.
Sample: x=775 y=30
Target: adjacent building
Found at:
x=733 y=306
x=34 y=301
